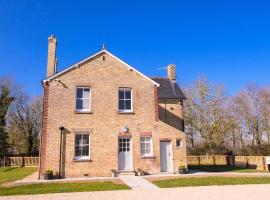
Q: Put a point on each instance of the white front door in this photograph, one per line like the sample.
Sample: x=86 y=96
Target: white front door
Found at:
x=125 y=154
x=165 y=157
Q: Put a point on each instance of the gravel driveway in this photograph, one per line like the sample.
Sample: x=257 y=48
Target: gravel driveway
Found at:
x=247 y=192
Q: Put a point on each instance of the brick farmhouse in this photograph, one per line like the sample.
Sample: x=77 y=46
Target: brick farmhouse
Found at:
x=101 y=114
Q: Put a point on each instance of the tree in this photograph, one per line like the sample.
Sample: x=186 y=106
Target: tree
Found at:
x=252 y=110
x=206 y=114
x=5 y=101
x=25 y=122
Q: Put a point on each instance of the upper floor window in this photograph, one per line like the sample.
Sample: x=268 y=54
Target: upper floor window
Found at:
x=82 y=146
x=125 y=100
x=83 y=99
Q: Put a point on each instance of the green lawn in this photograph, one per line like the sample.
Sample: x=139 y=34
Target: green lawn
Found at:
x=221 y=168
x=61 y=188
x=209 y=181
x=8 y=174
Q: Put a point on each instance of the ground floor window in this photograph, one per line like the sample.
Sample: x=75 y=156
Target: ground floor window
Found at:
x=82 y=146
x=146 y=146
x=178 y=143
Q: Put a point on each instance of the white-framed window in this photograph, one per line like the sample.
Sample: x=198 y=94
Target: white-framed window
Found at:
x=146 y=146
x=83 y=99
x=125 y=100
x=179 y=143
x=82 y=146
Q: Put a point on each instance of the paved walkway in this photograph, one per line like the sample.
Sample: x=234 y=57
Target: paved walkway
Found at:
x=246 y=192
x=137 y=182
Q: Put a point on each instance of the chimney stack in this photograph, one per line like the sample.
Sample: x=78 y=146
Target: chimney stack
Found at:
x=171 y=72
x=51 y=63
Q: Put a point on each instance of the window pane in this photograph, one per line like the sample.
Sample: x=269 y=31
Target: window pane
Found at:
x=79 y=92
x=77 y=151
x=86 y=93
x=79 y=104
x=128 y=104
x=178 y=143
x=85 y=151
x=78 y=138
x=121 y=94
x=148 y=145
x=143 y=145
x=147 y=151
x=121 y=105
x=85 y=139
x=142 y=151
x=85 y=104
x=127 y=94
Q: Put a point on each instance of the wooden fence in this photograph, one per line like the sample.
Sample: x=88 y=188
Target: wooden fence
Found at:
x=20 y=161
x=207 y=160
x=256 y=162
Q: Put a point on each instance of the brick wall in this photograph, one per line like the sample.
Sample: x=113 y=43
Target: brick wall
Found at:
x=105 y=75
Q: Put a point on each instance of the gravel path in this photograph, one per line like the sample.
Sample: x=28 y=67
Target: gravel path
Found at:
x=247 y=192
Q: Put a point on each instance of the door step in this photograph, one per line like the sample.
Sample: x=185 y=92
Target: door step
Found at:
x=121 y=172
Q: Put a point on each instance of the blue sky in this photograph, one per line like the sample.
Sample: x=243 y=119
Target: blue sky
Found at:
x=227 y=41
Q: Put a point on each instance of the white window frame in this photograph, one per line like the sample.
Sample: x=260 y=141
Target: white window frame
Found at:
x=181 y=143
x=83 y=110
x=151 y=147
x=82 y=157
x=131 y=100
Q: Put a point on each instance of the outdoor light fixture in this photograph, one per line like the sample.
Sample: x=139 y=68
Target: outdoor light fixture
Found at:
x=60 y=150
x=125 y=129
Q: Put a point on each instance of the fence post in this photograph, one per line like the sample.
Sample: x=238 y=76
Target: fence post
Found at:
x=23 y=161
x=214 y=160
x=247 y=165
x=199 y=160
x=263 y=163
x=228 y=160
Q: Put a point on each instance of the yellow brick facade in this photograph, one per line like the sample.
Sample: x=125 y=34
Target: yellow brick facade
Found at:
x=104 y=75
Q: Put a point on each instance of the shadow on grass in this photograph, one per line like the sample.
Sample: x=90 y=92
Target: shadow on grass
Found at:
x=219 y=168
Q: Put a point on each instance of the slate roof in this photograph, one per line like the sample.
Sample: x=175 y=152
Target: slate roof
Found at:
x=169 y=89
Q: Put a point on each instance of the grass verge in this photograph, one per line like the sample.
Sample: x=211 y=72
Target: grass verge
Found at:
x=221 y=168
x=210 y=181
x=61 y=188
x=8 y=174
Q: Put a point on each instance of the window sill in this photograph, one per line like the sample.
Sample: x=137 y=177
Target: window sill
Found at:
x=129 y=112
x=148 y=157
x=82 y=160
x=83 y=112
